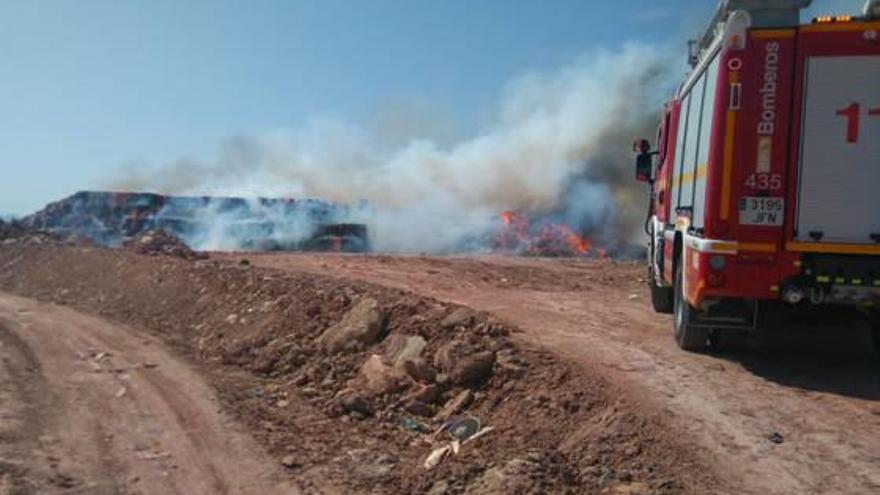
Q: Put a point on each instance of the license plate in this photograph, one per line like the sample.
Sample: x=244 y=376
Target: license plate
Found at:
x=761 y=211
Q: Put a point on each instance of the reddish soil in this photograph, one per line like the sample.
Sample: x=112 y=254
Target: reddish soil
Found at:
x=795 y=413
x=90 y=406
x=251 y=333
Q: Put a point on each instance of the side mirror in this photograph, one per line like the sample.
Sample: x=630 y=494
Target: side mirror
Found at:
x=644 y=160
x=644 y=167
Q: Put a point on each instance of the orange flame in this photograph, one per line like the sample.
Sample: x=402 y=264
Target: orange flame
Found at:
x=550 y=239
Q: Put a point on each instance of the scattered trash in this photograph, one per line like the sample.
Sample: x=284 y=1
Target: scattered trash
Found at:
x=479 y=434
x=776 y=437
x=411 y=424
x=122 y=391
x=456 y=446
x=463 y=428
x=437 y=456
x=463 y=431
x=633 y=297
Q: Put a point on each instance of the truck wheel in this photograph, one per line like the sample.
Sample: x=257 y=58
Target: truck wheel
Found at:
x=687 y=336
x=662 y=298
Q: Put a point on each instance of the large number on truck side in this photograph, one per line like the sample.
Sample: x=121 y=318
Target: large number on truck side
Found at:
x=853 y=114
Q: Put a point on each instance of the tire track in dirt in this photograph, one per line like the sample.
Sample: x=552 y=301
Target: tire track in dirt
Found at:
x=89 y=406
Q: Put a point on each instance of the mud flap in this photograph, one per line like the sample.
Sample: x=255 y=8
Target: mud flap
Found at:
x=728 y=314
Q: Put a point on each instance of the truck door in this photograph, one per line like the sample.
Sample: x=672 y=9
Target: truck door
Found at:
x=838 y=148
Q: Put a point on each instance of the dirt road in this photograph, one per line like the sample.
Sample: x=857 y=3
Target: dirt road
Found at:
x=798 y=415
x=88 y=406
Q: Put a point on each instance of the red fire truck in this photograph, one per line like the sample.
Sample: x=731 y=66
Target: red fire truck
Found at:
x=765 y=178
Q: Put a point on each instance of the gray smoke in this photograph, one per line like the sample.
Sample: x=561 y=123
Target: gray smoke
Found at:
x=560 y=145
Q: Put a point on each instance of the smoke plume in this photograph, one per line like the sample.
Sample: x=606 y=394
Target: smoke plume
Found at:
x=560 y=145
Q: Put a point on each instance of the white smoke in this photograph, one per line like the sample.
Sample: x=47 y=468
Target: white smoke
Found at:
x=560 y=144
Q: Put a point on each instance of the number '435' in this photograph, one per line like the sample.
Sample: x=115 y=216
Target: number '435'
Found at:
x=764 y=181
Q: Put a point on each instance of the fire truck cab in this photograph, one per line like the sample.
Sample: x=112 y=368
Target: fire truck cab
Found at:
x=765 y=175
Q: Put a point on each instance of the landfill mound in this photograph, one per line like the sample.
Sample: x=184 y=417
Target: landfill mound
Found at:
x=159 y=242
x=372 y=389
x=204 y=222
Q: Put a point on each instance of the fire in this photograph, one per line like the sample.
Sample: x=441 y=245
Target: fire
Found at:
x=521 y=234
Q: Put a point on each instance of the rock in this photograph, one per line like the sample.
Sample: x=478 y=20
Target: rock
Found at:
x=402 y=348
x=472 y=369
x=460 y=317
x=404 y=353
x=456 y=405
x=380 y=378
x=425 y=393
x=356 y=403
x=363 y=324
x=450 y=352
x=440 y=487
x=289 y=461
x=418 y=408
x=308 y=391
x=510 y=365
x=369 y=465
x=493 y=480
x=463 y=362
x=419 y=370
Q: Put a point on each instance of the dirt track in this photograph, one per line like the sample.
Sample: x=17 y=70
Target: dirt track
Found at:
x=819 y=391
x=608 y=404
x=92 y=407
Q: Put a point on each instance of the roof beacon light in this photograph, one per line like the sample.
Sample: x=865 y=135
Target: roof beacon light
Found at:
x=735 y=29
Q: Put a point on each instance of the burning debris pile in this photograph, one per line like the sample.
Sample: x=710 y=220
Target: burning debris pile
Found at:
x=521 y=234
x=204 y=223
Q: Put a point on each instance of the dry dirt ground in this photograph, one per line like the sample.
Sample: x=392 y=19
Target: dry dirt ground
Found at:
x=798 y=412
x=355 y=418
x=89 y=406
x=587 y=393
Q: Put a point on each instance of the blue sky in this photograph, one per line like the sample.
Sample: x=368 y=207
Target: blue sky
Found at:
x=86 y=86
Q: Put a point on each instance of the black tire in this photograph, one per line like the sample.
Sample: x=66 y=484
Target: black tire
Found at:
x=662 y=298
x=687 y=336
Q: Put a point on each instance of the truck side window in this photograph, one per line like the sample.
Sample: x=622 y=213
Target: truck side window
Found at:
x=662 y=136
